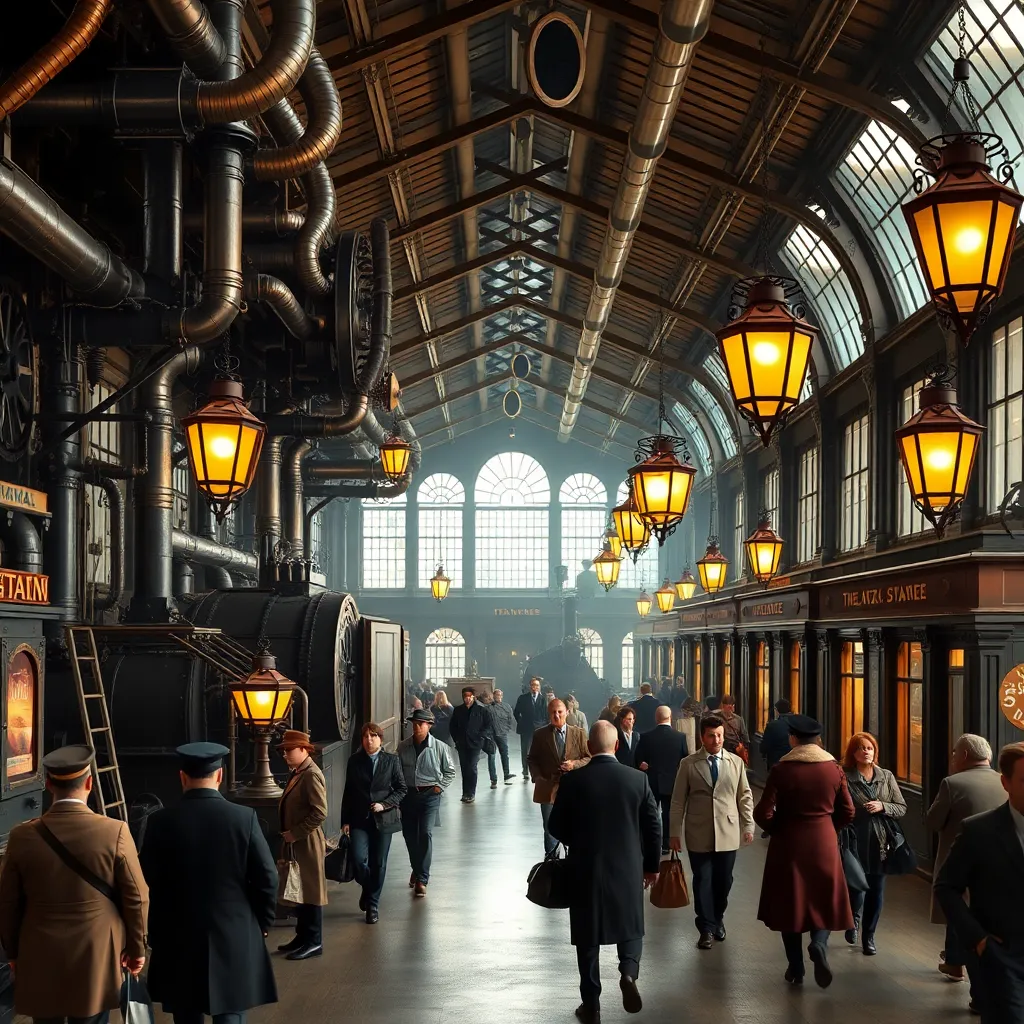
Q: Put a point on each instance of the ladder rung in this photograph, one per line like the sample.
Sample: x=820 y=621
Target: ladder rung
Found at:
x=84 y=657
x=102 y=728
x=113 y=803
x=92 y=696
x=106 y=768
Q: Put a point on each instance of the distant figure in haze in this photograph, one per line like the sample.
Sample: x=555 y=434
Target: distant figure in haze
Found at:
x=503 y=721
x=611 y=710
x=645 y=706
x=576 y=717
x=737 y=741
x=531 y=714
x=470 y=726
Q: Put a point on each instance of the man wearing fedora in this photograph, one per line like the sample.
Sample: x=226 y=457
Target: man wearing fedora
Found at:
x=429 y=770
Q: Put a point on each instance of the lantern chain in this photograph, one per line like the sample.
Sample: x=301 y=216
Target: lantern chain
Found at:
x=764 y=249
x=961 y=79
x=225 y=363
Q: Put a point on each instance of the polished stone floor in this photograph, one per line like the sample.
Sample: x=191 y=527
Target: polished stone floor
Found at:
x=475 y=951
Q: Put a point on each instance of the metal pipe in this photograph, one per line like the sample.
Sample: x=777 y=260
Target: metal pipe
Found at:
x=78 y=32
x=681 y=26
x=22 y=547
x=372 y=490
x=214 y=577
x=161 y=211
x=341 y=469
x=203 y=551
x=294 y=503
x=29 y=217
x=184 y=578
x=268 y=500
x=191 y=33
x=307 y=529
x=115 y=502
x=271 y=258
x=267 y=222
x=303 y=425
x=319 y=92
x=281 y=299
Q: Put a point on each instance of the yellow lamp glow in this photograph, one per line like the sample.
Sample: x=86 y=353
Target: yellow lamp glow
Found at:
x=712 y=568
x=224 y=443
x=633 y=531
x=963 y=226
x=764 y=550
x=643 y=604
x=661 y=486
x=686 y=585
x=394 y=457
x=765 y=351
x=938 y=446
x=666 y=596
x=263 y=697
x=439 y=584
x=607 y=566
x=614 y=541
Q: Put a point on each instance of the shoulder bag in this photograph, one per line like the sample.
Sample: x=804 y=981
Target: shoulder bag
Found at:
x=669 y=892
x=71 y=861
x=547 y=884
x=856 y=879
x=898 y=857
x=338 y=866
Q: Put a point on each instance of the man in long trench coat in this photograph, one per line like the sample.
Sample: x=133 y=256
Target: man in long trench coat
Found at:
x=213 y=892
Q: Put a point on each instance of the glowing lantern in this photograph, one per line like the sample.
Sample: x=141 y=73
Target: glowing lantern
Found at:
x=633 y=531
x=712 y=568
x=643 y=604
x=607 y=566
x=439 y=584
x=685 y=585
x=395 y=453
x=666 y=596
x=661 y=484
x=613 y=540
x=764 y=550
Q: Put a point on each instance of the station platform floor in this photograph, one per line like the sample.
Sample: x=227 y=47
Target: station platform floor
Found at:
x=476 y=951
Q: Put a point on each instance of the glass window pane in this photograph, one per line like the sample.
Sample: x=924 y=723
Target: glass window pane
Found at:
x=627 y=662
x=440 y=497
x=445 y=657
x=383 y=565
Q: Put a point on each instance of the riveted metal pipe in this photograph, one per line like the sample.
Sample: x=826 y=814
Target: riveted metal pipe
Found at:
x=281 y=299
x=191 y=33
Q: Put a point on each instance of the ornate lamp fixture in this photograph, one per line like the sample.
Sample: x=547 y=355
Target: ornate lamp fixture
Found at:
x=634 y=533
x=661 y=483
x=395 y=453
x=713 y=568
x=964 y=224
x=439 y=583
x=666 y=597
x=686 y=585
x=765 y=349
x=607 y=566
x=224 y=441
x=938 y=446
x=643 y=604
x=612 y=538
x=764 y=549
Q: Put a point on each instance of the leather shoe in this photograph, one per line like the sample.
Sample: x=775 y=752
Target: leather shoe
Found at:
x=412 y=882
x=362 y=901
x=720 y=934
x=851 y=935
x=822 y=971
x=586 y=1014
x=421 y=889
x=793 y=977
x=952 y=972
x=306 y=952
x=494 y=784
x=631 y=1001
x=869 y=945
x=508 y=780
x=288 y=947
x=705 y=941
x=372 y=916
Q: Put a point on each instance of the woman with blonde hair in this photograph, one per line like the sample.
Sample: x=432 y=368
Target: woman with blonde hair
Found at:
x=876 y=797
x=442 y=710
x=611 y=710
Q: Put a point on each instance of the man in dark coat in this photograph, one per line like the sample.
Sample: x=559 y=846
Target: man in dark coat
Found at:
x=213 y=893
x=606 y=815
x=471 y=726
x=987 y=860
x=658 y=753
x=531 y=713
x=645 y=707
x=775 y=738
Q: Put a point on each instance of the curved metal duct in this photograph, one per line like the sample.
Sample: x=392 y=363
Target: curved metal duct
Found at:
x=300 y=424
x=294 y=502
x=78 y=32
x=341 y=469
x=281 y=299
x=22 y=548
x=191 y=33
x=116 y=502
x=681 y=26
x=323 y=127
x=204 y=551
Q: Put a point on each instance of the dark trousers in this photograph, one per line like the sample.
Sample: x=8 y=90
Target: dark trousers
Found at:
x=589 y=960
x=501 y=742
x=468 y=757
x=867 y=906
x=956 y=955
x=712 y=880
x=194 y=1017
x=666 y=806
x=793 y=941
x=525 y=740
x=418 y=813
x=999 y=977
x=309 y=924
x=370 y=849
x=550 y=842
x=97 y=1018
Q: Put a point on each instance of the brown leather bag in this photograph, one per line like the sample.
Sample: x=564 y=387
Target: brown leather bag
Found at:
x=669 y=892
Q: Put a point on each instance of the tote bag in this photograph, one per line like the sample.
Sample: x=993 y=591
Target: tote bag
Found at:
x=669 y=892
x=338 y=865
x=289 y=883
x=856 y=879
x=136 y=1006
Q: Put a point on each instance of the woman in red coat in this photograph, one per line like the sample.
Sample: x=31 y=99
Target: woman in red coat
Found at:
x=804 y=804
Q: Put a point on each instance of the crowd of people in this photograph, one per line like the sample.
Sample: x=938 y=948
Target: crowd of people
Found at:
x=649 y=778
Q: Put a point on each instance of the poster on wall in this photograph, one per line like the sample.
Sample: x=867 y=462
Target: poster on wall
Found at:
x=21 y=713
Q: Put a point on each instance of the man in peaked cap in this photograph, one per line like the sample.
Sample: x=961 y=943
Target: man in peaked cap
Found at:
x=73 y=902
x=214 y=888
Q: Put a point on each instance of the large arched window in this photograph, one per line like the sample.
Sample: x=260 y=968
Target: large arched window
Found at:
x=383 y=543
x=446 y=656
x=440 y=498
x=645 y=572
x=627 y=662
x=593 y=649
x=584 y=502
x=512 y=497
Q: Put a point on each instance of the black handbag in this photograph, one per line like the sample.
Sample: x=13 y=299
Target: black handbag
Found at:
x=853 y=870
x=338 y=866
x=899 y=858
x=547 y=884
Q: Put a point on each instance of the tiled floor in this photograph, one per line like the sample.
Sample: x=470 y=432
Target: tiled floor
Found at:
x=475 y=951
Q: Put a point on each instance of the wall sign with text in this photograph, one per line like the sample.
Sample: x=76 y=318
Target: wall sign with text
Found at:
x=1011 y=696
x=517 y=611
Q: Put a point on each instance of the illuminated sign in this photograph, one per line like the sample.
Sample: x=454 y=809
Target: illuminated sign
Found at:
x=911 y=593
x=24 y=499
x=24 y=587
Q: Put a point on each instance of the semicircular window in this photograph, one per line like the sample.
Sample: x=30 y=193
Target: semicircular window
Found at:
x=440 y=500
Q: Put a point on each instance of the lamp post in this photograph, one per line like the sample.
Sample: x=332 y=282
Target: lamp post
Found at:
x=685 y=585
x=666 y=597
x=764 y=549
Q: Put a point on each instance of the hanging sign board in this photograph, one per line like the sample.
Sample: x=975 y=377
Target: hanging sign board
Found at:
x=18 y=587
x=22 y=499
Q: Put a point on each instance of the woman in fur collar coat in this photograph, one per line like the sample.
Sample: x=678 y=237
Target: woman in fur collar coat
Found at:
x=805 y=803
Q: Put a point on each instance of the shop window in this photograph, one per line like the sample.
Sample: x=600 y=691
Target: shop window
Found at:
x=910 y=519
x=22 y=736
x=909 y=713
x=770 y=494
x=854 y=511
x=440 y=500
x=383 y=565
x=956 y=695
x=1005 y=407
x=851 y=690
x=794 y=676
x=726 y=666
x=628 y=656
x=739 y=558
x=764 y=684
x=445 y=656
x=807 y=506
x=698 y=677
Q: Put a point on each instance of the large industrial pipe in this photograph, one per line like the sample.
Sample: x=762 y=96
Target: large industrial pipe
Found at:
x=161 y=210
x=115 y=502
x=294 y=502
x=268 y=500
x=300 y=424
x=31 y=218
x=22 y=548
x=341 y=469
x=191 y=33
x=281 y=299
x=203 y=551
x=256 y=222
x=78 y=32
x=214 y=576
x=681 y=26
x=371 y=490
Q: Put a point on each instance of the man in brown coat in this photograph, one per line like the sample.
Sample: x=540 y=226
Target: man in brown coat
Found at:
x=67 y=939
x=556 y=749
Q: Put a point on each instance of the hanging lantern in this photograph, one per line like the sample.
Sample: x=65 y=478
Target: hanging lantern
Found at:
x=764 y=549
x=607 y=566
x=712 y=568
x=439 y=584
x=938 y=446
x=613 y=540
x=224 y=441
x=666 y=597
x=395 y=453
x=661 y=484
x=633 y=531
x=765 y=350
x=643 y=604
x=685 y=585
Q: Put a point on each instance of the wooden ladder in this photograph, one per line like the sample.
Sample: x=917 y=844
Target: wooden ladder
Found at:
x=92 y=704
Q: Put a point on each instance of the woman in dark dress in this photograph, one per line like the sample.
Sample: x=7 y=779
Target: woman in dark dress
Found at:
x=628 y=737
x=876 y=795
x=442 y=729
x=374 y=787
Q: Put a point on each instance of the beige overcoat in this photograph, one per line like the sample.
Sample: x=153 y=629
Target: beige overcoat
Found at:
x=303 y=809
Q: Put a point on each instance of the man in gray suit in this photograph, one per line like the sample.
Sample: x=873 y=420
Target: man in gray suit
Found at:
x=971 y=788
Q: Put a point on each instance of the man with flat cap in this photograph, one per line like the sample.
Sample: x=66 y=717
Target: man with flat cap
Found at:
x=429 y=770
x=214 y=889
x=73 y=902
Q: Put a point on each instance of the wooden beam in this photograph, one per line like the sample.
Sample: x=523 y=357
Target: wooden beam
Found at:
x=460 y=360
x=454 y=396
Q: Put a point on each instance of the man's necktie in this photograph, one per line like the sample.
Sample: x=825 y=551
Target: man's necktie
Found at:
x=560 y=745
x=713 y=761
